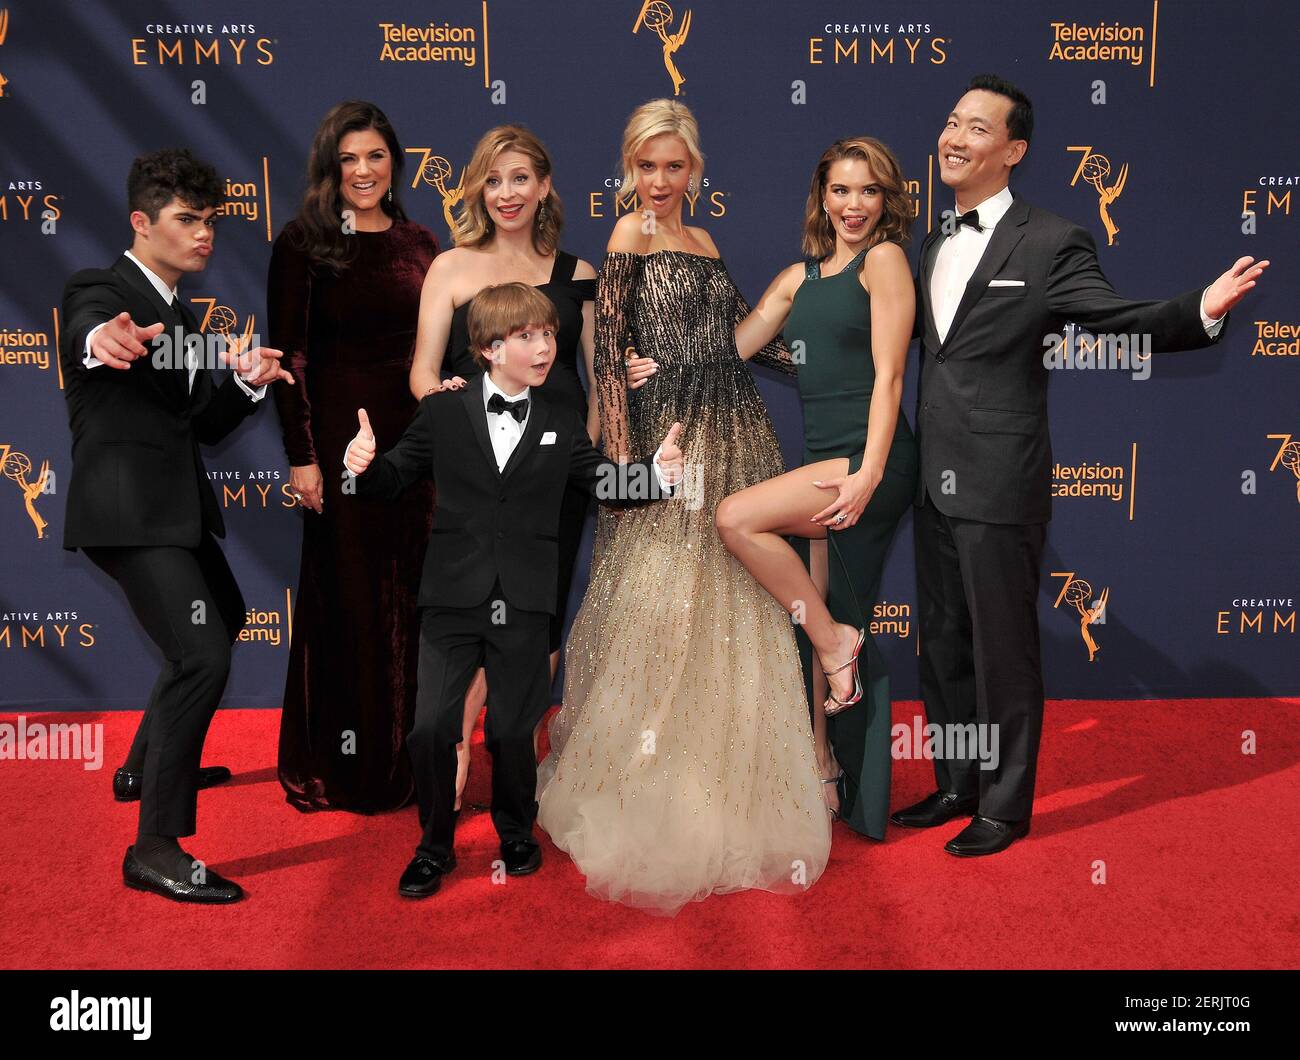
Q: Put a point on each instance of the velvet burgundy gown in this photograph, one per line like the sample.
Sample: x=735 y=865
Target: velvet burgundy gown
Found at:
x=349 y=697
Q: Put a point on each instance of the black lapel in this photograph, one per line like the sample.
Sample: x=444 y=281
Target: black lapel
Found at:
x=537 y=420
x=929 y=250
x=129 y=271
x=1006 y=236
x=178 y=376
x=188 y=318
x=472 y=397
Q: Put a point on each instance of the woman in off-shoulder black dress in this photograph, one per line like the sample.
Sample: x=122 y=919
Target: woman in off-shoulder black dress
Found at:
x=508 y=230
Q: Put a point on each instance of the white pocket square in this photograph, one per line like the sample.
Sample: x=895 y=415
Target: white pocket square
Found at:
x=548 y=438
x=1006 y=283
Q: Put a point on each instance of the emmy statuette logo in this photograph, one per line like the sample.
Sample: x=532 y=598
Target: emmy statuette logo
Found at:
x=658 y=16
x=1094 y=167
x=17 y=466
x=1078 y=593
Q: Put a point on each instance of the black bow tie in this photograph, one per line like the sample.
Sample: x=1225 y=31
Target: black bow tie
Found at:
x=518 y=409
x=972 y=218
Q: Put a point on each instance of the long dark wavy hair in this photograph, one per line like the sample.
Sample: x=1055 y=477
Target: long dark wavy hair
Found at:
x=320 y=218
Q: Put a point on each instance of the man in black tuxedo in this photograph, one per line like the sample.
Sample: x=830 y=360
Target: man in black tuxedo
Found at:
x=501 y=456
x=990 y=291
x=140 y=504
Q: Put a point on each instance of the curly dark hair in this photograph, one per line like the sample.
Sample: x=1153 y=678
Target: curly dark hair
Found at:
x=172 y=173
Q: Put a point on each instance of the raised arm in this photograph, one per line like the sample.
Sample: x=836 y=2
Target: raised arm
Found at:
x=1078 y=290
x=759 y=330
x=97 y=326
x=434 y=328
x=384 y=476
x=772 y=352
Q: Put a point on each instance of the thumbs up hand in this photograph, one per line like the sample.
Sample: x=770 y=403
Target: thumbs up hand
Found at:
x=669 y=458
x=361 y=450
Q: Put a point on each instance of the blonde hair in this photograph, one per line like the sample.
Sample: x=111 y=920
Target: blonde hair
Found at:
x=473 y=225
x=497 y=312
x=895 y=219
x=660 y=117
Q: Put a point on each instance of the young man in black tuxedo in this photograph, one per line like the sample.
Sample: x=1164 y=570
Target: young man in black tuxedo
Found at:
x=501 y=456
x=140 y=504
x=988 y=294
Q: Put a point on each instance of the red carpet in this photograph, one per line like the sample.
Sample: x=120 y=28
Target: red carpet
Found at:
x=1199 y=843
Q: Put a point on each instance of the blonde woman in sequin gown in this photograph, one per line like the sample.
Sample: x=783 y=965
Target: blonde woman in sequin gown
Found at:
x=682 y=761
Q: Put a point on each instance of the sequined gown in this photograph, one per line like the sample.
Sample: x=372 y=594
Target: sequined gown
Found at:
x=682 y=761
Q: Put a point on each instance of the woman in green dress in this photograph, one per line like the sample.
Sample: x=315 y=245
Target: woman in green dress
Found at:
x=847 y=314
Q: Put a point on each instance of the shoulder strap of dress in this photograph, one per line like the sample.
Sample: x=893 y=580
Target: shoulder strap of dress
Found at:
x=562 y=270
x=812 y=269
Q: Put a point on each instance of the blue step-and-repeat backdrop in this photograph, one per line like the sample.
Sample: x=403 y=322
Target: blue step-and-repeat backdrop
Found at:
x=1177 y=496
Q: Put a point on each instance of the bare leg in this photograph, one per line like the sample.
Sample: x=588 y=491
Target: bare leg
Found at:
x=475 y=698
x=819 y=568
x=753 y=524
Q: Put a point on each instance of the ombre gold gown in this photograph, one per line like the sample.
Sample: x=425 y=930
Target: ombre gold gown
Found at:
x=682 y=761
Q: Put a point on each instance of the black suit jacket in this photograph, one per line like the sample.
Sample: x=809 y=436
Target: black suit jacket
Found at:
x=137 y=477
x=982 y=397
x=492 y=524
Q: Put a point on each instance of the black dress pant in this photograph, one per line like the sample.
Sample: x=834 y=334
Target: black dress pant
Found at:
x=977 y=594
x=513 y=646
x=189 y=604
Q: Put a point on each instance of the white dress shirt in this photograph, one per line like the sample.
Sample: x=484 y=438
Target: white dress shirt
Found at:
x=959 y=254
x=505 y=431
x=168 y=295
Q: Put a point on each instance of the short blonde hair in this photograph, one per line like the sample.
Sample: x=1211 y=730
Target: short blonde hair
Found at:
x=499 y=311
x=660 y=117
x=473 y=225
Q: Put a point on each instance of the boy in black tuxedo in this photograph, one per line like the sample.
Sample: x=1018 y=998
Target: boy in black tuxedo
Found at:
x=140 y=505
x=501 y=456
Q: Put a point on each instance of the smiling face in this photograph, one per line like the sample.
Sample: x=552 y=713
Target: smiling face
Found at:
x=366 y=170
x=976 y=152
x=523 y=358
x=179 y=241
x=663 y=168
x=853 y=199
x=512 y=191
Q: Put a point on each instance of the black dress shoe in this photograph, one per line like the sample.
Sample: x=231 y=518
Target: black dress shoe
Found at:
x=521 y=856
x=984 y=835
x=423 y=876
x=213 y=889
x=935 y=809
x=127 y=786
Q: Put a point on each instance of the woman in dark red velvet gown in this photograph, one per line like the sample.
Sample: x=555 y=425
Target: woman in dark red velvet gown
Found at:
x=343 y=307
